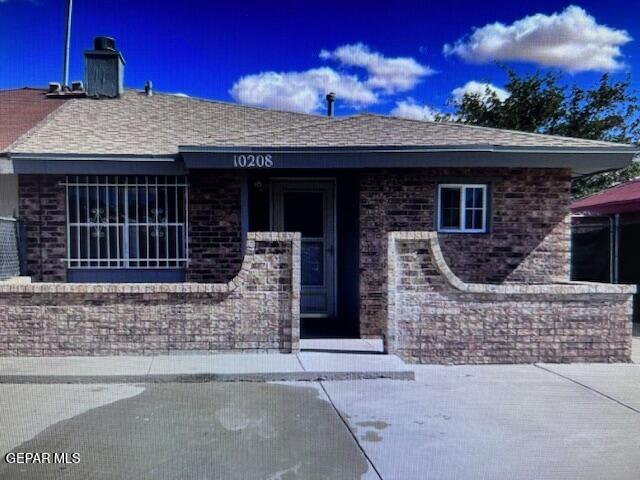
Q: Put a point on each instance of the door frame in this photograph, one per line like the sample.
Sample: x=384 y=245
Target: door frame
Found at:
x=333 y=213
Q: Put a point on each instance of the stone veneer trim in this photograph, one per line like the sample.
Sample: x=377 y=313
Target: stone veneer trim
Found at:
x=19 y=285
x=569 y=288
x=249 y=280
x=434 y=317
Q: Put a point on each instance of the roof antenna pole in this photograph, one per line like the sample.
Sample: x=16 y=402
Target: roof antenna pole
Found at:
x=67 y=43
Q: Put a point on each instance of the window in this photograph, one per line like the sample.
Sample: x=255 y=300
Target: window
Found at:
x=126 y=222
x=462 y=208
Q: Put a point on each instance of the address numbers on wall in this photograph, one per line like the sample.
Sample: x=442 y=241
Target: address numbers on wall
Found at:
x=253 y=161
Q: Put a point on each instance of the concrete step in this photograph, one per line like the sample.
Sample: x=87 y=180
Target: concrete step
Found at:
x=345 y=345
x=246 y=367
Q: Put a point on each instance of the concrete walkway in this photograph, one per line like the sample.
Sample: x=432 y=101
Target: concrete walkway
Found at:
x=319 y=360
x=526 y=422
x=308 y=366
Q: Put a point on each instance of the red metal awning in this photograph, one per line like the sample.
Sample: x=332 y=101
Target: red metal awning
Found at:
x=619 y=199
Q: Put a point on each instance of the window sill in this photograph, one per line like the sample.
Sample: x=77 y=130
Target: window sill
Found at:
x=125 y=275
x=463 y=231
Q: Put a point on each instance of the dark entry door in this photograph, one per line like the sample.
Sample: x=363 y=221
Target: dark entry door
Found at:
x=308 y=207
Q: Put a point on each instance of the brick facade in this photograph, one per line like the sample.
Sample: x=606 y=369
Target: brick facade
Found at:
x=528 y=239
x=516 y=306
x=214 y=226
x=257 y=311
x=41 y=208
x=434 y=317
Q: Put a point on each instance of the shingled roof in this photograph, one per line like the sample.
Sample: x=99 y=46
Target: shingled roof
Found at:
x=137 y=124
x=377 y=130
x=21 y=109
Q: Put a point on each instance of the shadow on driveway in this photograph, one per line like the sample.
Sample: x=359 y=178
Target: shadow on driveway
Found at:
x=210 y=430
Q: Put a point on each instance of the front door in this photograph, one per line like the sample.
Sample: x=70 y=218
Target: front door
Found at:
x=308 y=207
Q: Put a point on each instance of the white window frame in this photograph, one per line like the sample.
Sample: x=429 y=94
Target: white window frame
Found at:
x=124 y=258
x=463 y=209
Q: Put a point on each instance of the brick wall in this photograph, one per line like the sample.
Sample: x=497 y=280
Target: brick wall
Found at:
x=41 y=207
x=528 y=239
x=434 y=317
x=257 y=310
x=214 y=226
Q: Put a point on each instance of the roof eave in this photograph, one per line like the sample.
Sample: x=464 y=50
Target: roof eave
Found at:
x=608 y=208
x=602 y=149
x=89 y=164
x=581 y=160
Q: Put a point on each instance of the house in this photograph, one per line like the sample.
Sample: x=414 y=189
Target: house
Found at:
x=606 y=234
x=161 y=223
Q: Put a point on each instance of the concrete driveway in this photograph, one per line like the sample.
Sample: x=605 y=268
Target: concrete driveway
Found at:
x=491 y=422
x=499 y=422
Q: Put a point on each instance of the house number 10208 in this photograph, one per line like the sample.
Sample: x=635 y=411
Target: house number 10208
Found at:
x=255 y=161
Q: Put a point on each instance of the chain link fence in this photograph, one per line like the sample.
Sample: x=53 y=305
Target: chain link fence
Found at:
x=9 y=249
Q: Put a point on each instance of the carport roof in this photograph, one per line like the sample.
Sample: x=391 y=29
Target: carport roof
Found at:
x=621 y=198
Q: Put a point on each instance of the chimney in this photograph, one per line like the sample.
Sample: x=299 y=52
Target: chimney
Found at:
x=331 y=98
x=104 y=69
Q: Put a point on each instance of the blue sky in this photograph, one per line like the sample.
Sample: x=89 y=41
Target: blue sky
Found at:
x=378 y=56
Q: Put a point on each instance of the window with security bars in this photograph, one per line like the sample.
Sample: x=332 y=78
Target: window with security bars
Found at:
x=127 y=221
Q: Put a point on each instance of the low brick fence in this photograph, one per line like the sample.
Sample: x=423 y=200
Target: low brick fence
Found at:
x=434 y=317
x=259 y=310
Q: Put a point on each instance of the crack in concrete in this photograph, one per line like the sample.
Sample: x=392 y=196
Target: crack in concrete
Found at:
x=594 y=390
x=300 y=362
x=349 y=429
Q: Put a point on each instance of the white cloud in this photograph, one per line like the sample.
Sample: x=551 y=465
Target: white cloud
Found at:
x=477 y=88
x=391 y=75
x=301 y=91
x=571 y=40
x=305 y=91
x=409 y=108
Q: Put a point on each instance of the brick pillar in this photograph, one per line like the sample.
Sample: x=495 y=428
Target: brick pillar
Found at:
x=215 y=230
x=41 y=208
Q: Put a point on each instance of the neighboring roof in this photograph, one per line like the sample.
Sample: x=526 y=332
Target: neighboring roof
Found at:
x=369 y=130
x=621 y=198
x=21 y=110
x=136 y=124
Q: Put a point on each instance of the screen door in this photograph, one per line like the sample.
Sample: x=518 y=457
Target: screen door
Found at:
x=308 y=207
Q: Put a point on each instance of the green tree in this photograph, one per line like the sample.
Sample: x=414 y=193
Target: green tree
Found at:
x=539 y=103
